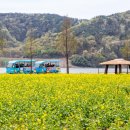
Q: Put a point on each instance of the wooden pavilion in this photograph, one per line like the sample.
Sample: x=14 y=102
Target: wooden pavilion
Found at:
x=117 y=63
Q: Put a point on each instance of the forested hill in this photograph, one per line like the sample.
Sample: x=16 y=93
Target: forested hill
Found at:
x=99 y=38
x=18 y=24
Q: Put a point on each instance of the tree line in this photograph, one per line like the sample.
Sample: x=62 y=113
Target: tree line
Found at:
x=101 y=38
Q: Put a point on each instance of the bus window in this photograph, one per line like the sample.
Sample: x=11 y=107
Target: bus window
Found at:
x=21 y=65
x=57 y=64
x=36 y=65
x=10 y=65
x=41 y=65
x=17 y=66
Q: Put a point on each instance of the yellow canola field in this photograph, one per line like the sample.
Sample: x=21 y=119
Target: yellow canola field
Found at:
x=65 y=102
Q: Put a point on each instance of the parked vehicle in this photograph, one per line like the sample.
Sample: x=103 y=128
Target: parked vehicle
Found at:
x=40 y=67
x=47 y=66
x=20 y=66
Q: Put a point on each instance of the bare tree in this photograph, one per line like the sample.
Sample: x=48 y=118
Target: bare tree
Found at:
x=66 y=41
x=30 y=46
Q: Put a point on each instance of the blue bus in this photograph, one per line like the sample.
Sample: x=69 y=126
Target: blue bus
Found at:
x=47 y=66
x=20 y=66
x=40 y=67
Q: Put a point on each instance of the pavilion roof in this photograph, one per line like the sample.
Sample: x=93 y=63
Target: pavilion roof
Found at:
x=116 y=62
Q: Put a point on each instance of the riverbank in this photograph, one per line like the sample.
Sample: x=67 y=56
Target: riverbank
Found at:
x=80 y=70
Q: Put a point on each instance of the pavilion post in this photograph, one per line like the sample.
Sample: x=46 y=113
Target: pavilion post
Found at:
x=127 y=69
x=120 y=69
x=116 y=67
x=106 y=69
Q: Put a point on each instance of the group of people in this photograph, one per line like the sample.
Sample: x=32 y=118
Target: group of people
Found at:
x=49 y=65
x=22 y=65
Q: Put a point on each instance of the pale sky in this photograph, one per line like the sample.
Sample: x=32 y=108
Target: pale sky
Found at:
x=85 y=9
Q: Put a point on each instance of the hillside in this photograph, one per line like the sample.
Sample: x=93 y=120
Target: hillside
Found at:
x=100 y=38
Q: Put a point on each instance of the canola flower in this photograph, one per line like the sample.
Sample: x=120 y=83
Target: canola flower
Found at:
x=64 y=102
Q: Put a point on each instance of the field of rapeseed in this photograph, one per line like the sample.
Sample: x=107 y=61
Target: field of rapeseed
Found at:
x=65 y=102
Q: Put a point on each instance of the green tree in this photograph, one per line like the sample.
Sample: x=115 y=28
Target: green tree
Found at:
x=2 y=40
x=126 y=51
x=66 y=41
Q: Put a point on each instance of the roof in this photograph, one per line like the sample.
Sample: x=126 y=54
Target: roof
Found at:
x=54 y=60
x=39 y=62
x=15 y=61
x=116 y=62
